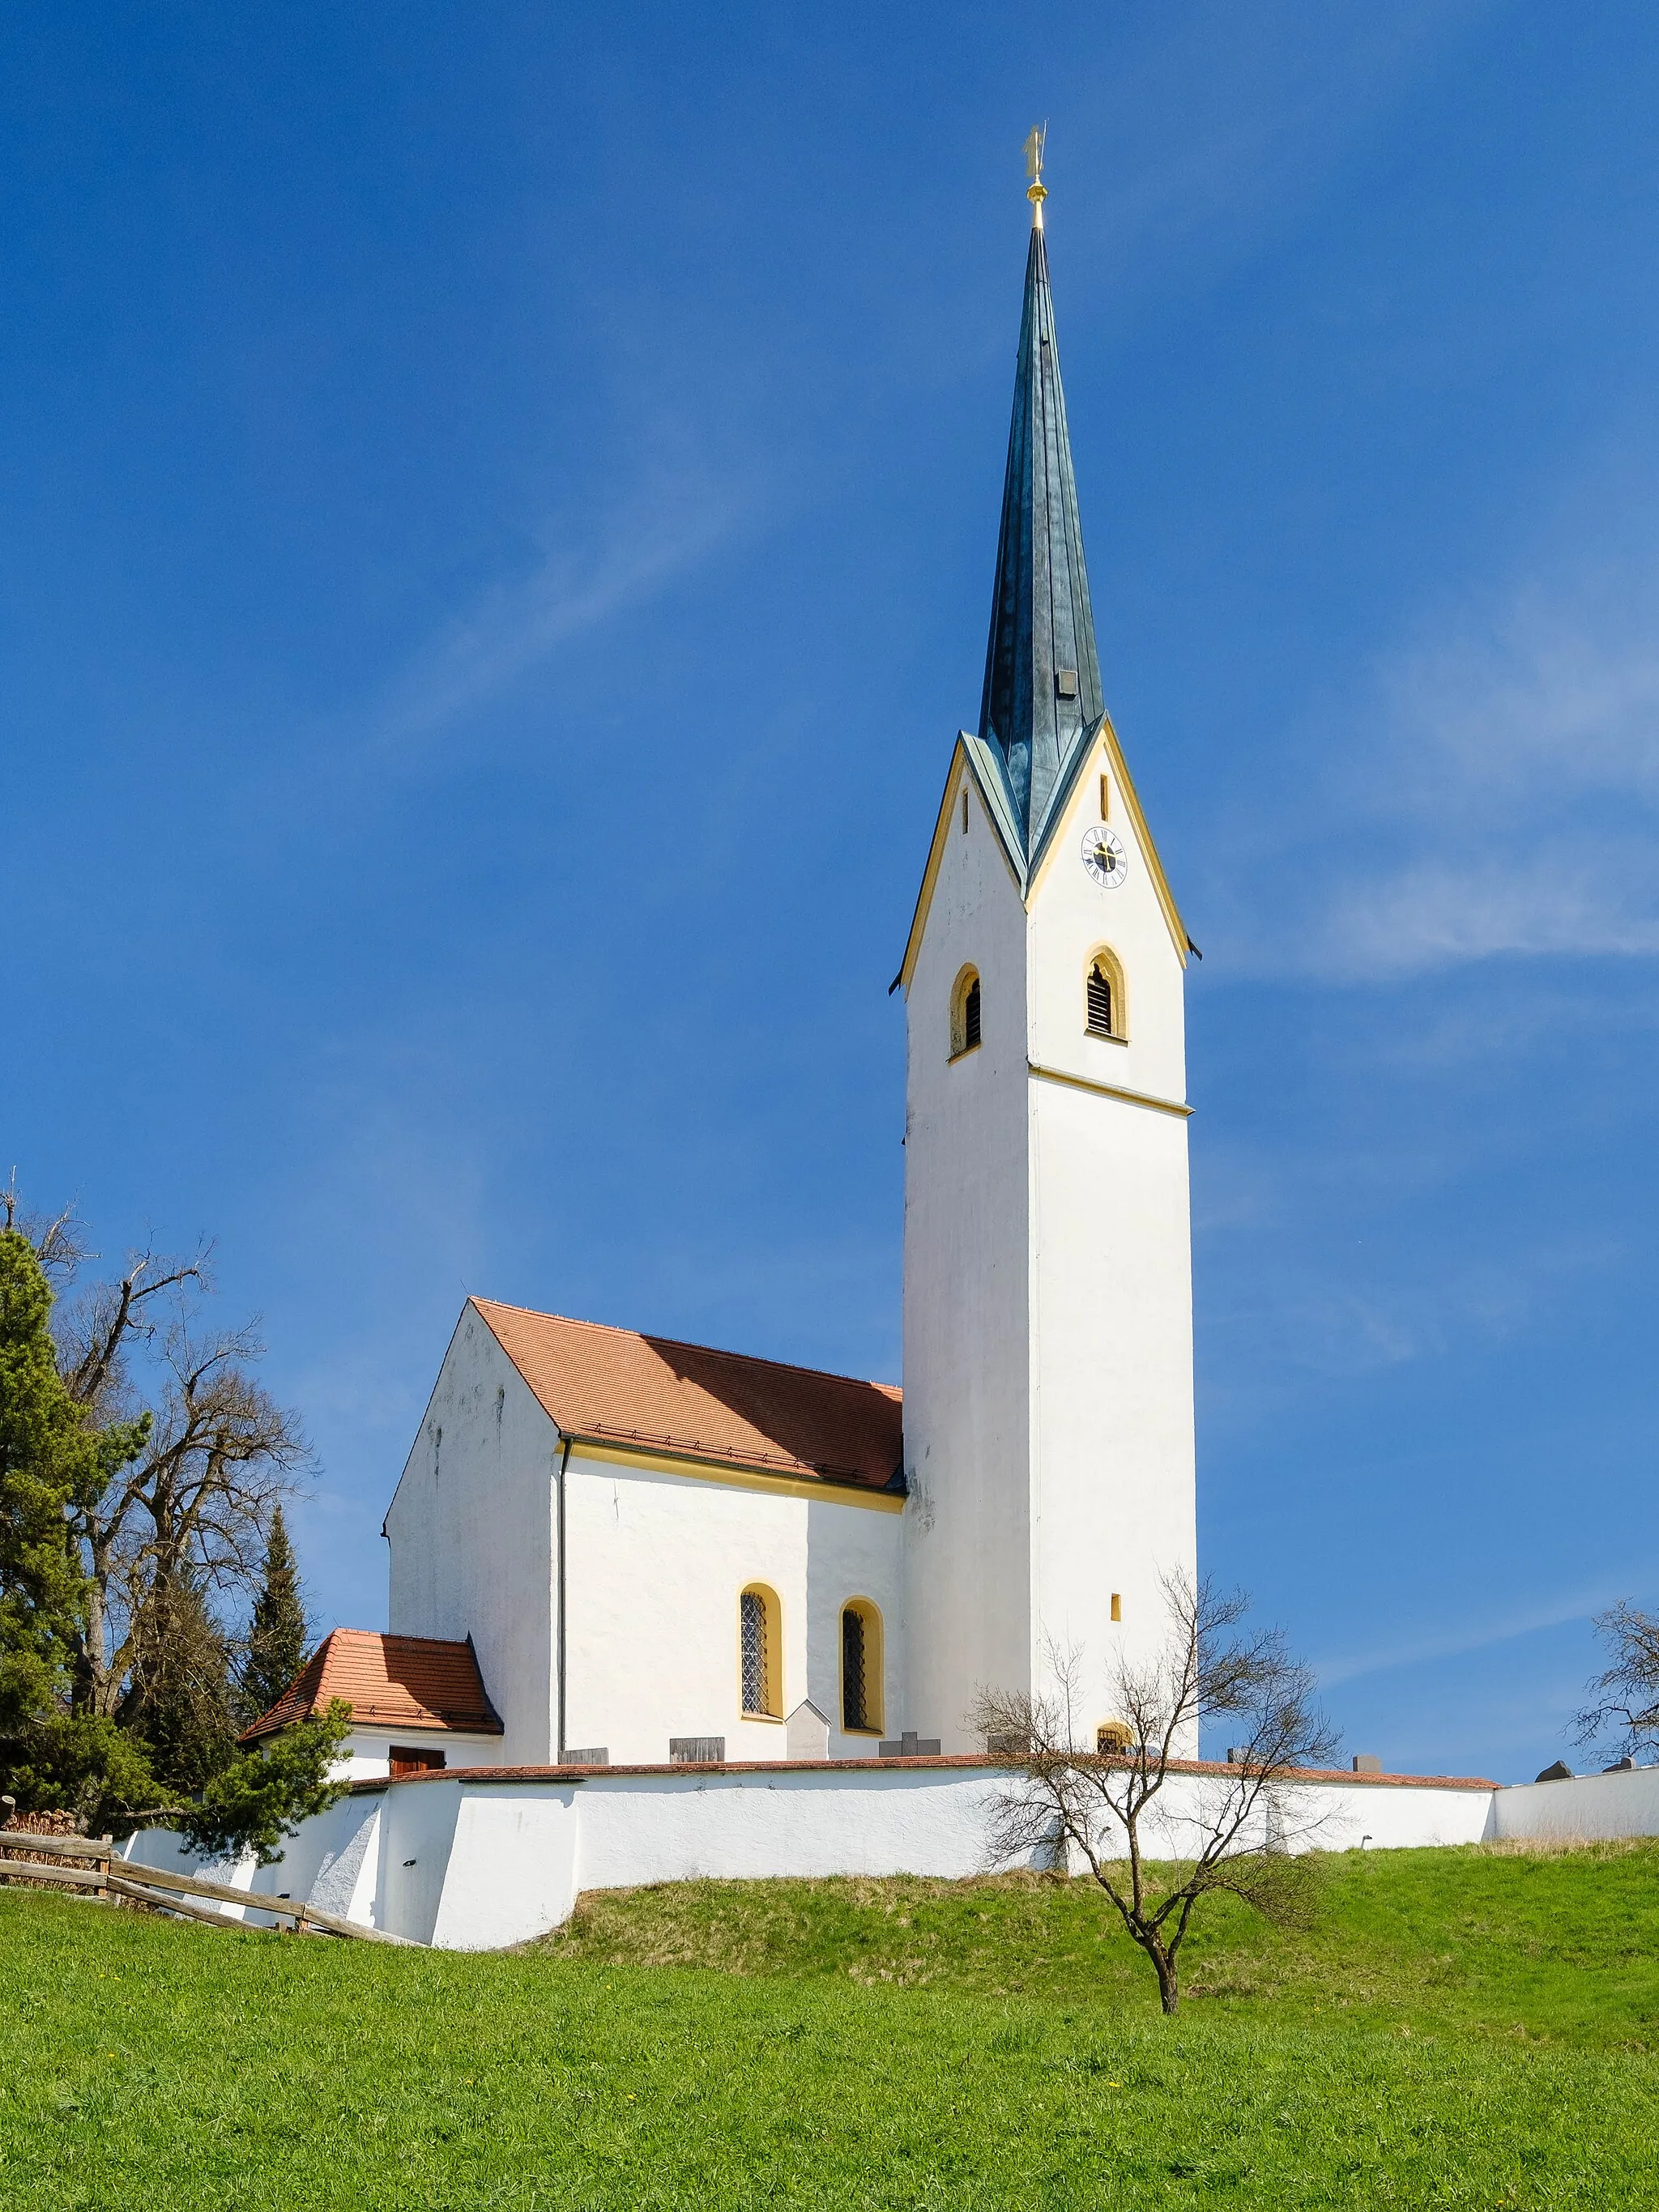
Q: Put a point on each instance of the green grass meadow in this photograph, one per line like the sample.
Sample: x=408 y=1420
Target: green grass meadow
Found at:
x=1467 y=2027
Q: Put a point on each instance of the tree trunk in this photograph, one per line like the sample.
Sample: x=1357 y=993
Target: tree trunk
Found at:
x=1168 y=1989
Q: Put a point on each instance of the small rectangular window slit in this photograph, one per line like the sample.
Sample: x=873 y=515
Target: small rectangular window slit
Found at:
x=964 y=814
x=1117 y=1607
x=1105 y=796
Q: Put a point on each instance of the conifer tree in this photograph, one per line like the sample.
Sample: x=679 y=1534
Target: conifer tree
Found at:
x=181 y=1701
x=49 y=1459
x=278 y=1638
x=53 y=1459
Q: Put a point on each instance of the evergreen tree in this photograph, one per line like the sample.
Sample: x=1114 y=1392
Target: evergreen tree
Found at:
x=278 y=1638
x=180 y=1700
x=49 y=1459
x=52 y=1460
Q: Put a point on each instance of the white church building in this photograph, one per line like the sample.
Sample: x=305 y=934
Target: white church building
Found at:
x=662 y=1553
x=660 y=1611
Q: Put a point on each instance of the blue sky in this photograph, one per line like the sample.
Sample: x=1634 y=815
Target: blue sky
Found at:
x=497 y=512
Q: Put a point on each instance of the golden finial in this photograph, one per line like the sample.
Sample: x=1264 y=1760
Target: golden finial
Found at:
x=1036 y=192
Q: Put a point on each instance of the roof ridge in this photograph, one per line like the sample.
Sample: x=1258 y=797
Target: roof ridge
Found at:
x=684 y=1344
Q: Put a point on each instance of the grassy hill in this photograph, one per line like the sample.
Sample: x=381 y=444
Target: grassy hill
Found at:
x=1464 y=2028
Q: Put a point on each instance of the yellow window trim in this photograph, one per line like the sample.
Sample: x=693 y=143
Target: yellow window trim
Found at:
x=1103 y=957
x=961 y=990
x=875 y=1660
x=772 y=1654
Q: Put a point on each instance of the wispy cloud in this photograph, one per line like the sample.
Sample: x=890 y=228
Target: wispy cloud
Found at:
x=1498 y=792
x=633 y=545
x=1423 y=1646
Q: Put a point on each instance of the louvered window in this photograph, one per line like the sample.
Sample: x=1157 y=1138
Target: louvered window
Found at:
x=970 y=1016
x=753 y=1638
x=1100 y=1002
x=855 y=1690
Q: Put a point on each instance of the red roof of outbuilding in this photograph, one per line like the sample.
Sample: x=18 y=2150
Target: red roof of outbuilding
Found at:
x=389 y=1681
x=613 y=1385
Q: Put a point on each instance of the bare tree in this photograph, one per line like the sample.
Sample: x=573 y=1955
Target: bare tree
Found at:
x=201 y=1452
x=1624 y=1697
x=1154 y=1852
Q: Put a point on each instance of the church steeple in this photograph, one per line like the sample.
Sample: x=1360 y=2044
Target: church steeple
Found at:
x=1042 y=699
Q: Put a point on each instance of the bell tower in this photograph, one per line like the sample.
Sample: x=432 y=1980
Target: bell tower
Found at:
x=1049 y=1438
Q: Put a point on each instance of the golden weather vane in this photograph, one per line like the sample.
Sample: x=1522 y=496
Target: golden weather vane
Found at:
x=1036 y=192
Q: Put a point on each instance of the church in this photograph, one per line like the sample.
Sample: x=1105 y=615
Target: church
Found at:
x=608 y=1548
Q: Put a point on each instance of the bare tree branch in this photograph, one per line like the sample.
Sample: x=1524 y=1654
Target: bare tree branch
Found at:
x=200 y=1452
x=1624 y=1697
x=1151 y=1854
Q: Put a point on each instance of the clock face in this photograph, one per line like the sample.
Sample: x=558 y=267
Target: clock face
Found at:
x=1104 y=858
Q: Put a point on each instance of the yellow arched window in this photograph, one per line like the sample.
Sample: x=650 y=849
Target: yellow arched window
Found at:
x=1113 y=1740
x=1106 y=1009
x=759 y=1668
x=861 y=1667
x=964 y=1013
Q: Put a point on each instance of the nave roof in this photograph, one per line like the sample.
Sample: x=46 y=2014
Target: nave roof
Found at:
x=619 y=1387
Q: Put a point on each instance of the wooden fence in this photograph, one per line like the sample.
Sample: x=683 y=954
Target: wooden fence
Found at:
x=88 y=1865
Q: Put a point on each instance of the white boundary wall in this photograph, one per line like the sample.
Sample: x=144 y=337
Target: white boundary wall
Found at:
x=474 y=1861
x=1587 y=1809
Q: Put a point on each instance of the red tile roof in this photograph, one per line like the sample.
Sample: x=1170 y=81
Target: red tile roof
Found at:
x=389 y=1681
x=613 y=1385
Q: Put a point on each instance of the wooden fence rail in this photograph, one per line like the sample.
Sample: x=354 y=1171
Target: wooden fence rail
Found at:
x=163 y=1891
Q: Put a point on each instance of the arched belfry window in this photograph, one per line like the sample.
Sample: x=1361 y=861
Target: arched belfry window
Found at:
x=1104 y=1010
x=757 y=1654
x=860 y=1668
x=964 y=1013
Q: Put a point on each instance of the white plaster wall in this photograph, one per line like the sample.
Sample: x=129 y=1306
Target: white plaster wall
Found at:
x=966 y=1317
x=1049 y=1342
x=1589 y=1807
x=1346 y=1816
x=332 y=1863
x=655 y=1564
x=805 y=1823
x=1111 y=1320
x=519 y=1841
x=471 y=1534
x=1114 y=1488
x=851 y=1553
x=1071 y=917
x=418 y=1862
x=367 y=1752
x=165 y=1851
x=476 y=1865
x=533 y=1845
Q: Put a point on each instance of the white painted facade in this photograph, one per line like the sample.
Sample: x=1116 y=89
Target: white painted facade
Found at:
x=655 y=1555
x=473 y=1536
x=1048 y=1290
